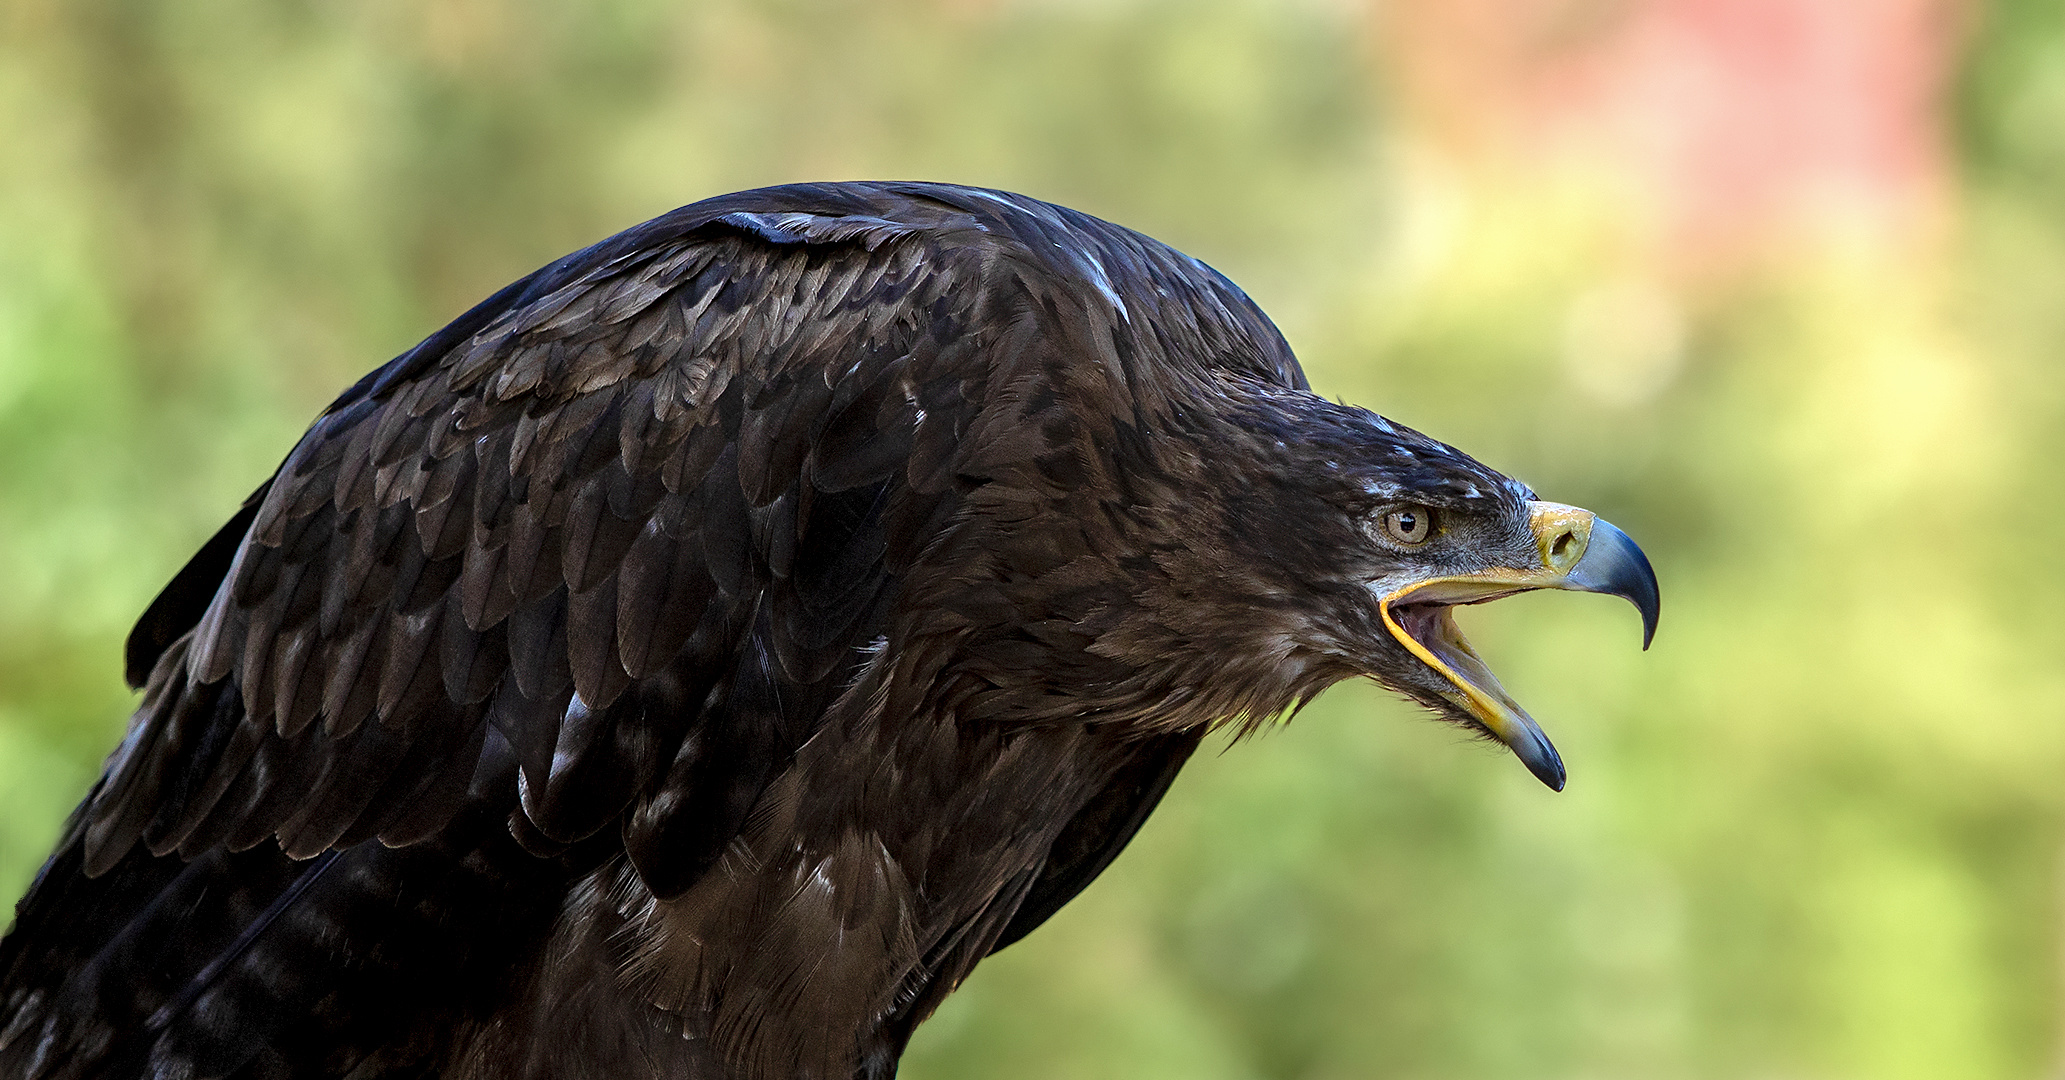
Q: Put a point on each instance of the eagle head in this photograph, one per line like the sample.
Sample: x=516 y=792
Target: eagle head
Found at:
x=1370 y=534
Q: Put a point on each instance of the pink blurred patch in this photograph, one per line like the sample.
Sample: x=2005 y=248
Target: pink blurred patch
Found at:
x=1747 y=124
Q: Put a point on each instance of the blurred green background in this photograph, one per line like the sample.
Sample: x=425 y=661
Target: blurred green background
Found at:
x=1776 y=285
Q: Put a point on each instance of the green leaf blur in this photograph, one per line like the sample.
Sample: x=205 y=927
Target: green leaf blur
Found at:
x=1815 y=833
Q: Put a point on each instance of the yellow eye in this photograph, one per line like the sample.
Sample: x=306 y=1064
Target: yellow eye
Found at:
x=1409 y=525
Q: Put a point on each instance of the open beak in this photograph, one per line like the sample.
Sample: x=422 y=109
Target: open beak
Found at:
x=1576 y=551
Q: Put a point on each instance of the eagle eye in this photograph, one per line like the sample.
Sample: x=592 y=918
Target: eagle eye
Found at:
x=1410 y=525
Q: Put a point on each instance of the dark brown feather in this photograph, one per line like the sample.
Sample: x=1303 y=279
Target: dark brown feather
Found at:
x=726 y=589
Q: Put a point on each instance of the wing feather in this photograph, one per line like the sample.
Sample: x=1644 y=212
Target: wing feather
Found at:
x=601 y=554
x=684 y=467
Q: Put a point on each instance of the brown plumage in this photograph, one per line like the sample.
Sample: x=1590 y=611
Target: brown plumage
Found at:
x=694 y=659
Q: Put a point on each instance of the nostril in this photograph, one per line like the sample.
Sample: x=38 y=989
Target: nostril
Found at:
x=1561 y=545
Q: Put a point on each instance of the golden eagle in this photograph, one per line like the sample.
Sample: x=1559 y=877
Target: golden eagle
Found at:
x=694 y=659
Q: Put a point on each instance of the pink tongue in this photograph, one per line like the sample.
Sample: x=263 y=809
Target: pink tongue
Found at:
x=1422 y=622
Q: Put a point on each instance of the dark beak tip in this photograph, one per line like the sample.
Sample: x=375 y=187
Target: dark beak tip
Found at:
x=1539 y=755
x=1554 y=781
x=1551 y=774
x=1648 y=599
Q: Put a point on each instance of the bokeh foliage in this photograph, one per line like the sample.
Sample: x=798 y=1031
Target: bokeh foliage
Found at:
x=1814 y=833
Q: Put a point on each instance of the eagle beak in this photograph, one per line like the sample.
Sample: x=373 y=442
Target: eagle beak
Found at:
x=1574 y=550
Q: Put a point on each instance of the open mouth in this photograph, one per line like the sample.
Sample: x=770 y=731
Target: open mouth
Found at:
x=1578 y=552
x=1427 y=627
x=1433 y=627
